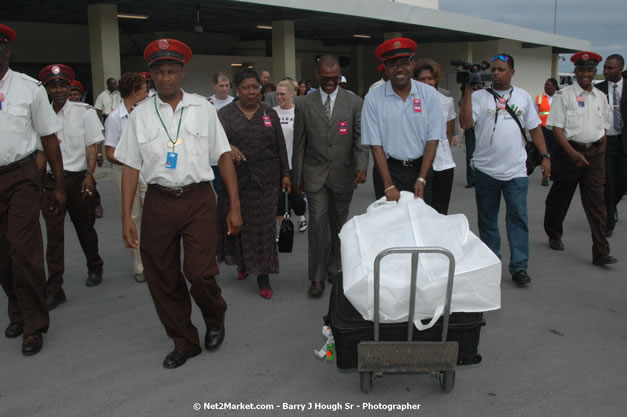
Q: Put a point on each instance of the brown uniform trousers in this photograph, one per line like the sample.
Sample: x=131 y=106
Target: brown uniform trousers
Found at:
x=22 y=272
x=566 y=177
x=166 y=219
x=82 y=214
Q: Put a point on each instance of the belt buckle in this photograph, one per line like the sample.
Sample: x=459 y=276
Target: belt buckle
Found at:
x=407 y=163
x=587 y=145
x=178 y=192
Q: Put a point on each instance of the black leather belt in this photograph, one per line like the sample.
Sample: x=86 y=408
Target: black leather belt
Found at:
x=584 y=146
x=614 y=136
x=406 y=162
x=178 y=191
x=67 y=173
x=15 y=165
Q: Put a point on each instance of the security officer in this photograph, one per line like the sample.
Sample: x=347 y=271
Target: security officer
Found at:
x=171 y=137
x=78 y=137
x=402 y=122
x=579 y=116
x=25 y=115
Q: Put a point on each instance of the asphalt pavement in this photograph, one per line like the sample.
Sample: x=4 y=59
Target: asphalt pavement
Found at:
x=555 y=348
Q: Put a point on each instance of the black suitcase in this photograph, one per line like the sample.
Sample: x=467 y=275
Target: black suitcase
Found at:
x=349 y=328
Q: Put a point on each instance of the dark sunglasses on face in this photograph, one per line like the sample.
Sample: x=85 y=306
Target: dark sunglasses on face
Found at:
x=329 y=79
x=398 y=63
x=282 y=93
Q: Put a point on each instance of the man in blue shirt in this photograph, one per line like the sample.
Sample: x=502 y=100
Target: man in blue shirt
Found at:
x=401 y=122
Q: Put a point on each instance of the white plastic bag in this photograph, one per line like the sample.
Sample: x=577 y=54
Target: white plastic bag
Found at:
x=411 y=223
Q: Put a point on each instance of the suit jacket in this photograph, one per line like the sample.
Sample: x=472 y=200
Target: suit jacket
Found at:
x=328 y=151
x=623 y=101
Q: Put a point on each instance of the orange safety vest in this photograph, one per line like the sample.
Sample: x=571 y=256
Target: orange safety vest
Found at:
x=544 y=107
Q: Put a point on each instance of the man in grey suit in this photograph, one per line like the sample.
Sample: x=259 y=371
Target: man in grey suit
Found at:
x=328 y=162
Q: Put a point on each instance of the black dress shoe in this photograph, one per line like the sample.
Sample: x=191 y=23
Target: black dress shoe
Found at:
x=14 y=330
x=93 y=278
x=556 y=244
x=176 y=358
x=32 y=343
x=470 y=186
x=53 y=300
x=521 y=278
x=316 y=288
x=604 y=260
x=214 y=337
x=608 y=233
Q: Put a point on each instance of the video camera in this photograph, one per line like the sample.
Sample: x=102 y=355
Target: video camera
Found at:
x=473 y=74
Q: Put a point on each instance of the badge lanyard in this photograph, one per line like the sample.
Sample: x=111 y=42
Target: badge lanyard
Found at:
x=172 y=156
x=499 y=103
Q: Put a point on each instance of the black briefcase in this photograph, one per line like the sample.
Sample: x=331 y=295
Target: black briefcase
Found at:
x=286 y=232
x=349 y=328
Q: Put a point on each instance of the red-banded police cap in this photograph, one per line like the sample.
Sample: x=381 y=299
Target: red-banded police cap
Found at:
x=76 y=85
x=586 y=59
x=6 y=34
x=56 y=72
x=147 y=76
x=165 y=51
x=395 y=48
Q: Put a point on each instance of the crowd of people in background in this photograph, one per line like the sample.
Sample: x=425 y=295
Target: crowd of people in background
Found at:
x=272 y=148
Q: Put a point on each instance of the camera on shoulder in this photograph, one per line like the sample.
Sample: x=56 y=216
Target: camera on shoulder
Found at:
x=472 y=74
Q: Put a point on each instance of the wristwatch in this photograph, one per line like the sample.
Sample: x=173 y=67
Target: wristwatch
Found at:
x=422 y=180
x=547 y=156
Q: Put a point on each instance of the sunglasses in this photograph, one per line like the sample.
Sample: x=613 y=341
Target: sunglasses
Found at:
x=398 y=63
x=281 y=93
x=503 y=58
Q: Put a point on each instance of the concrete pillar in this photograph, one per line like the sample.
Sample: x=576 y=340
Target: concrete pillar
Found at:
x=104 y=45
x=392 y=35
x=555 y=66
x=358 y=68
x=283 y=50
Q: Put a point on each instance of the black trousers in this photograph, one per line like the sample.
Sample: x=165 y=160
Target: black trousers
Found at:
x=441 y=190
x=404 y=177
x=615 y=177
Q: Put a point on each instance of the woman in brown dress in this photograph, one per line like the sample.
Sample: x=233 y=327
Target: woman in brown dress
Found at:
x=260 y=157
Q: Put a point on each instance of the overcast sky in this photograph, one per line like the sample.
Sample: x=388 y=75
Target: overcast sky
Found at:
x=602 y=22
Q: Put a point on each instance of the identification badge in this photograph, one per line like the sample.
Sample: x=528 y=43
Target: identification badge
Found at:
x=179 y=141
x=266 y=121
x=581 y=101
x=170 y=161
x=343 y=128
x=502 y=102
x=417 y=105
x=1 y=100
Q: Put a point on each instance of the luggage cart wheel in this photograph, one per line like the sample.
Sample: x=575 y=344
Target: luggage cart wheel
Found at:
x=365 y=382
x=447 y=381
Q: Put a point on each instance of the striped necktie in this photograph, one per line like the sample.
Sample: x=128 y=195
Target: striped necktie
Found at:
x=618 y=119
x=327 y=106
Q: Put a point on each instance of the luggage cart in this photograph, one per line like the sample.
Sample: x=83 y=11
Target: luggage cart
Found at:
x=377 y=357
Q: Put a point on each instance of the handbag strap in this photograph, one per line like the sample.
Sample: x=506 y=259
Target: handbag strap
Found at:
x=287 y=210
x=510 y=111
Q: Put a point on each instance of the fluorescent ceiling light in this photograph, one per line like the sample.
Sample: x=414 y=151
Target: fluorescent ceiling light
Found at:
x=264 y=27
x=362 y=36
x=132 y=16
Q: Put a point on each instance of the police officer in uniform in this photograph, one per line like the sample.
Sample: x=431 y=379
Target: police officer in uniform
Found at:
x=171 y=137
x=81 y=132
x=579 y=116
x=402 y=122
x=25 y=116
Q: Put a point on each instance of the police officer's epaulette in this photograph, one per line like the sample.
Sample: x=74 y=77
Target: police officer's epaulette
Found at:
x=81 y=104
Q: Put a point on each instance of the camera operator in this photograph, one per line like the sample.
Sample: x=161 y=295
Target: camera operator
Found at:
x=499 y=160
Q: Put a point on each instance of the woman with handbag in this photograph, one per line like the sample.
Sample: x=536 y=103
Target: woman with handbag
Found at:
x=260 y=157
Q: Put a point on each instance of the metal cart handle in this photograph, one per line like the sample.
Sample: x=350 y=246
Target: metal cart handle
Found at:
x=415 y=253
